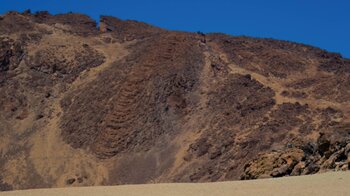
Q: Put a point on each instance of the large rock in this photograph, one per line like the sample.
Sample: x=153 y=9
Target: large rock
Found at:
x=274 y=164
x=302 y=160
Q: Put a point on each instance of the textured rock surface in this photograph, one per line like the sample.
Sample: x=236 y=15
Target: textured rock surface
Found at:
x=133 y=103
x=309 y=158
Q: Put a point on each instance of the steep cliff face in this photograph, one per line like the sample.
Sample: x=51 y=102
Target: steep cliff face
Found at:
x=133 y=103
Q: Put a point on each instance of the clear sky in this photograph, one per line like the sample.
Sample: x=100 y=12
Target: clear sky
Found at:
x=322 y=23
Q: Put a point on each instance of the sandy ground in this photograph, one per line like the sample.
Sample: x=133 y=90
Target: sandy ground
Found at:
x=327 y=184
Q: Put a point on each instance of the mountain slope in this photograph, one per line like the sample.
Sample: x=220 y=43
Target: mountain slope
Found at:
x=133 y=103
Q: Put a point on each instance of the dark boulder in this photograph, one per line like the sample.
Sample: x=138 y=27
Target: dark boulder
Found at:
x=323 y=144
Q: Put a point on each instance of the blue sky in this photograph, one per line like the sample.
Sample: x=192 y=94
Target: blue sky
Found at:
x=322 y=23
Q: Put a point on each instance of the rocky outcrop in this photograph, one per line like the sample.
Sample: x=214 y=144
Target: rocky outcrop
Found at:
x=128 y=114
x=11 y=53
x=64 y=61
x=127 y=30
x=309 y=158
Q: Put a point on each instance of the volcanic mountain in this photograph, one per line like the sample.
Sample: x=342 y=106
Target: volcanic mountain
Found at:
x=130 y=103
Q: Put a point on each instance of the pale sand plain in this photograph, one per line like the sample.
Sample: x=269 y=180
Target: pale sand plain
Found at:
x=326 y=184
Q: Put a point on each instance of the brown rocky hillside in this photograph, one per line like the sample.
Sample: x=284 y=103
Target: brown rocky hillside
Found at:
x=132 y=103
